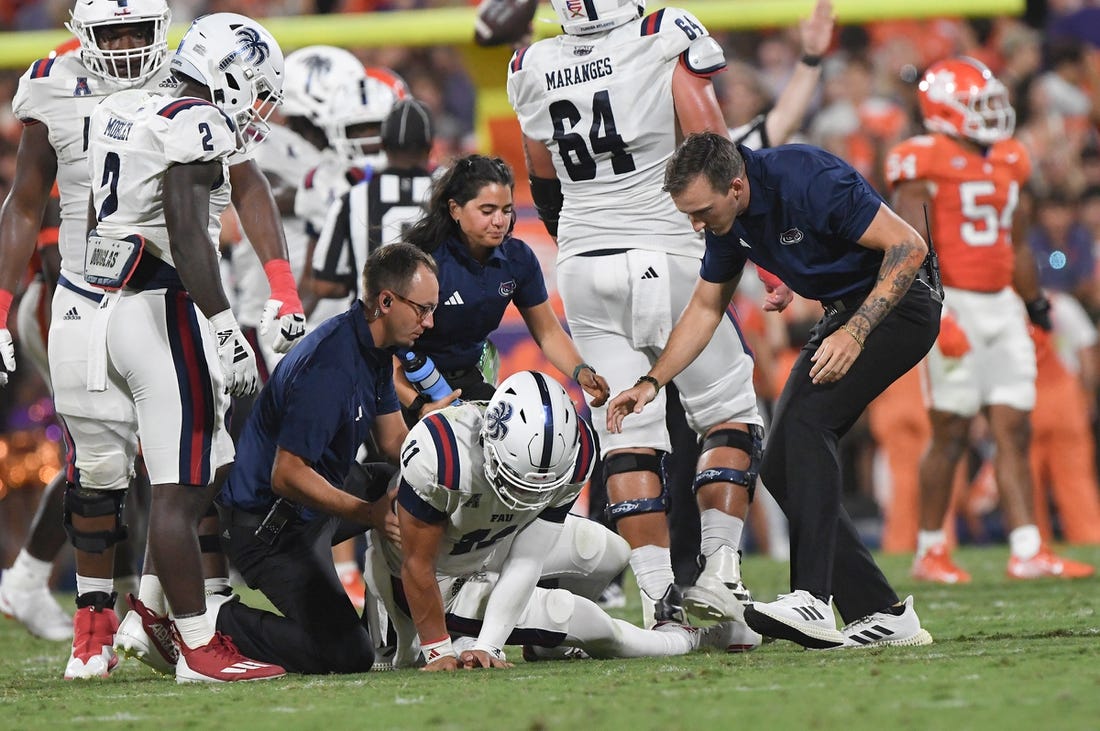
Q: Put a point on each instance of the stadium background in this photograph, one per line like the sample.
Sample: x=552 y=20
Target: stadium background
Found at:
x=864 y=104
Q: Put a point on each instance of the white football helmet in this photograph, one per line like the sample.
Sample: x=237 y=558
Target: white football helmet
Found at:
x=242 y=65
x=531 y=438
x=90 y=16
x=365 y=101
x=584 y=17
x=313 y=74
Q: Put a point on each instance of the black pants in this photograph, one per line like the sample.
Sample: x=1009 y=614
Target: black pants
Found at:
x=320 y=631
x=801 y=466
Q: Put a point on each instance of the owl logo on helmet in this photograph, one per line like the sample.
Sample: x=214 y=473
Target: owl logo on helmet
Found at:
x=496 y=420
x=961 y=97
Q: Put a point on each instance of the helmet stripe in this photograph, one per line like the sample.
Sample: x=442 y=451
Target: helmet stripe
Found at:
x=590 y=8
x=548 y=422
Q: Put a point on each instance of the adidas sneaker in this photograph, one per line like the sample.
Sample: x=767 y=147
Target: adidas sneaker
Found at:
x=799 y=617
x=93 y=653
x=719 y=593
x=219 y=661
x=883 y=628
x=147 y=637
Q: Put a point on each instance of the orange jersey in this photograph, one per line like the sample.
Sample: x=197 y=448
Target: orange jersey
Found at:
x=973 y=199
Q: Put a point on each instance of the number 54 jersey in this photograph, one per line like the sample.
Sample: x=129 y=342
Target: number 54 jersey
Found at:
x=602 y=104
x=134 y=137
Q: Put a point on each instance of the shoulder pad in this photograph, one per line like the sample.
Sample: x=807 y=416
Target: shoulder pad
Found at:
x=911 y=160
x=41 y=68
x=438 y=462
x=517 y=59
x=704 y=57
x=675 y=29
x=177 y=106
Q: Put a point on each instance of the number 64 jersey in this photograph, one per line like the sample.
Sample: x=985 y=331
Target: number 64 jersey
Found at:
x=443 y=481
x=134 y=137
x=602 y=104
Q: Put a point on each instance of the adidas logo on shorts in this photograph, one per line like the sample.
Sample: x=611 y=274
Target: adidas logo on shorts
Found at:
x=72 y=314
x=650 y=274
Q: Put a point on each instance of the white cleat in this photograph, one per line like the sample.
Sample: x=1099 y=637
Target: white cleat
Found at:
x=732 y=637
x=147 y=637
x=718 y=593
x=36 y=609
x=93 y=654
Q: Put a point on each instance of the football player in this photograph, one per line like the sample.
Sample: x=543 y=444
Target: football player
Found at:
x=483 y=506
x=967 y=173
x=601 y=108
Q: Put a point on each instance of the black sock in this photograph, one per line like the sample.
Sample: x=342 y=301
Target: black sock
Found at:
x=896 y=611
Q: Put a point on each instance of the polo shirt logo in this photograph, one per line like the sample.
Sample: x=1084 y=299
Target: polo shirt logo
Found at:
x=790 y=236
x=507 y=288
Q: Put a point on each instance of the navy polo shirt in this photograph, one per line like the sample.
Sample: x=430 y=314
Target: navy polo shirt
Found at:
x=473 y=297
x=320 y=404
x=807 y=208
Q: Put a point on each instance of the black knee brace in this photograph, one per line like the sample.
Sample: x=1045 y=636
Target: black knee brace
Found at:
x=94 y=504
x=630 y=462
x=751 y=443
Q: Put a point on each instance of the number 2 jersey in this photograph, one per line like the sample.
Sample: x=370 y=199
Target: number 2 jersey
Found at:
x=974 y=197
x=443 y=480
x=602 y=104
x=134 y=137
x=61 y=93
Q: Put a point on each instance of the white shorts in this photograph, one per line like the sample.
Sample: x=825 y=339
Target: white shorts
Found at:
x=32 y=319
x=999 y=368
x=603 y=299
x=161 y=353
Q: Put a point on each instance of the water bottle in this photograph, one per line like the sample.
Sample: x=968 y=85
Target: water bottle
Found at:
x=424 y=376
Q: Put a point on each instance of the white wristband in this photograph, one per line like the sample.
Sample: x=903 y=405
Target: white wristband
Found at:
x=435 y=650
x=224 y=320
x=495 y=652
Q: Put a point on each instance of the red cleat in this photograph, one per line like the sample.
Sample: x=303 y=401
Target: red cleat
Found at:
x=93 y=653
x=355 y=588
x=936 y=566
x=219 y=661
x=1047 y=563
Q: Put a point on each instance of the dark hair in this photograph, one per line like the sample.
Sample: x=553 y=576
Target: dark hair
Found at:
x=393 y=267
x=708 y=154
x=460 y=183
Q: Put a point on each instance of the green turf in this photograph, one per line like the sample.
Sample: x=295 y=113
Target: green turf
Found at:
x=1007 y=656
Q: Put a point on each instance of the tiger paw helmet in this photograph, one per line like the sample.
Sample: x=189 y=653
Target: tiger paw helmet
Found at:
x=313 y=76
x=584 y=17
x=90 y=16
x=531 y=438
x=353 y=120
x=241 y=63
x=961 y=97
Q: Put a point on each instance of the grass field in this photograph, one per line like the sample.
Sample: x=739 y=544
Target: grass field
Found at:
x=1007 y=656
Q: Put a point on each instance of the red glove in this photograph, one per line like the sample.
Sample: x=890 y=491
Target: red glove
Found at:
x=952 y=341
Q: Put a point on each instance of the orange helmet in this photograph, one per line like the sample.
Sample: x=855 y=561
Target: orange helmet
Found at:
x=961 y=97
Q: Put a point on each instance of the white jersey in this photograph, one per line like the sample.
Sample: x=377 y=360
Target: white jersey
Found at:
x=134 y=137
x=321 y=187
x=443 y=478
x=61 y=93
x=602 y=104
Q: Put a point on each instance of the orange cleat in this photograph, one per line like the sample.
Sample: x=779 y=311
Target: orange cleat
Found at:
x=1047 y=563
x=355 y=588
x=936 y=566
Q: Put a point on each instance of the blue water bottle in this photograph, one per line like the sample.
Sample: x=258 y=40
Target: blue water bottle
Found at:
x=424 y=376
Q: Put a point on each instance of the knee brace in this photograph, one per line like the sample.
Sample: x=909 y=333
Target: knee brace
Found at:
x=94 y=504
x=751 y=443
x=617 y=464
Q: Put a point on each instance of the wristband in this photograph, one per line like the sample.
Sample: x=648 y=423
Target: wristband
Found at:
x=650 y=380
x=580 y=367
x=418 y=403
x=281 y=281
x=811 y=60
x=5 y=306
x=855 y=335
x=495 y=652
x=432 y=651
x=223 y=321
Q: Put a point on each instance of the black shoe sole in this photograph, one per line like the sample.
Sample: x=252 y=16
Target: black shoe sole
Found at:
x=770 y=627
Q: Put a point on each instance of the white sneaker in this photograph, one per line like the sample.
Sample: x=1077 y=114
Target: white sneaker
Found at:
x=36 y=609
x=719 y=593
x=147 y=637
x=882 y=628
x=731 y=636
x=799 y=617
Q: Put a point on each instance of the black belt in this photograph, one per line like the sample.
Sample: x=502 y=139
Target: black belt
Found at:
x=852 y=302
x=603 y=252
x=243 y=518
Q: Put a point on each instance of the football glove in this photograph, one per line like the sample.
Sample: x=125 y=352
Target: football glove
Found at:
x=7 y=355
x=235 y=354
x=284 y=305
x=1038 y=311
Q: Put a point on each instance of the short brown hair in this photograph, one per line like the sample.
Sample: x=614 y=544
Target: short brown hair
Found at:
x=708 y=154
x=393 y=267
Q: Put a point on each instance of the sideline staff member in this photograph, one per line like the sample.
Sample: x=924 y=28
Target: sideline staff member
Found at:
x=282 y=509
x=810 y=218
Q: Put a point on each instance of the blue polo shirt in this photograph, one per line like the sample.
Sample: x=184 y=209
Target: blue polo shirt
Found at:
x=320 y=404
x=473 y=297
x=807 y=208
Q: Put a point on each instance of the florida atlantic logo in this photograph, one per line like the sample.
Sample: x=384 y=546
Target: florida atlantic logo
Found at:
x=252 y=50
x=507 y=288
x=496 y=420
x=790 y=236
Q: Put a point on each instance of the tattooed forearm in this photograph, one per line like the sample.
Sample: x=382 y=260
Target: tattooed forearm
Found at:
x=900 y=265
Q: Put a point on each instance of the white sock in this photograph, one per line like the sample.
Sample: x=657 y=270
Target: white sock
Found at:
x=28 y=572
x=126 y=585
x=600 y=635
x=347 y=567
x=195 y=631
x=216 y=585
x=151 y=594
x=89 y=584
x=652 y=566
x=929 y=539
x=719 y=529
x=1025 y=542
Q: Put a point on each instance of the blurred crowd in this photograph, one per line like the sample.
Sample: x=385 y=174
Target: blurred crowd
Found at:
x=866 y=103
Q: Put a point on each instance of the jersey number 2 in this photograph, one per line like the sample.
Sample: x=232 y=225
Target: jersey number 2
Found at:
x=602 y=138
x=111 y=166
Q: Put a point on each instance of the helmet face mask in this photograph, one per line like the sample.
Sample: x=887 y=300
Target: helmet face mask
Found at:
x=584 y=17
x=530 y=438
x=242 y=66
x=960 y=97
x=353 y=119
x=96 y=23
